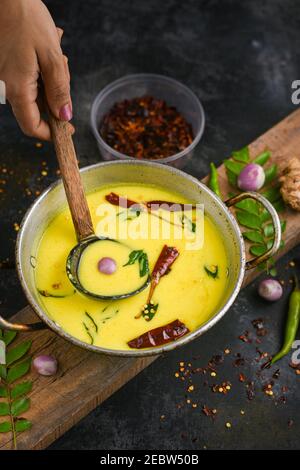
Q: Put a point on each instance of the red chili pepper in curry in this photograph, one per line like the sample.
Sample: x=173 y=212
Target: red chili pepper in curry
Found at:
x=159 y=336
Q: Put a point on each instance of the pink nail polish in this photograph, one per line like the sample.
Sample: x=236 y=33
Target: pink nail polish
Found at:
x=65 y=113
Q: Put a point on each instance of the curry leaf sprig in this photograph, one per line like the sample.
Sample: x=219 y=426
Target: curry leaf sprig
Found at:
x=15 y=364
x=141 y=257
x=251 y=214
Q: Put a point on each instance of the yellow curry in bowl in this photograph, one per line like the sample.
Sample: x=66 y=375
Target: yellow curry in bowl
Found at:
x=158 y=249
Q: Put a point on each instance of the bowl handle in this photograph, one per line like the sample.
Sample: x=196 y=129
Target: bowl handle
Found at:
x=6 y=325
x=252 y=263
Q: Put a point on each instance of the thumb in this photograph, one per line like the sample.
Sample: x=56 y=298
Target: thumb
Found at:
x=57 y=86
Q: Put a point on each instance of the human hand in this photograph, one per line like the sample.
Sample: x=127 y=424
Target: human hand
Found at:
x=30 y=48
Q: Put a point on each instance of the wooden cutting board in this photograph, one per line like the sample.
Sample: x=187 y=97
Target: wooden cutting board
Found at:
x=86 y=379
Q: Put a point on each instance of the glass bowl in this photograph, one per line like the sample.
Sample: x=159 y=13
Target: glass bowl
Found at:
x=165 y=88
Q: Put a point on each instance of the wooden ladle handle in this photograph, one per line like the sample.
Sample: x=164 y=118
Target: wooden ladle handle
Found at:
x=69 y=169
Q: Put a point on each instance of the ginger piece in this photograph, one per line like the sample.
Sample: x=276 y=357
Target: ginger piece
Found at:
x=290 y=184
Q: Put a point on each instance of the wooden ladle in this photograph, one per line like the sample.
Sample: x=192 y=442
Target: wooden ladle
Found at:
x=79 y=209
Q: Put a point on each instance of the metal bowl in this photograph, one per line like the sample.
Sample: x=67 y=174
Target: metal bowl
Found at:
x=53 y=200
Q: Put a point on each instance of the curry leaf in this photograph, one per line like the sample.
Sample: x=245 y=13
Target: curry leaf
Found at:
x=18 y=370
x=142 y=258
x=20 y=406
x=270 y=173
x=4 y=409
x=23 y=424
x=254 y=236
x=262 y=158
x=269 y=229
x=17 y=352
x=16 y=401
x=265 y=216
x=212 y=271
x=234 y=167
x=279 y=205
x=241 y=155
x=232 y=178
x=272 y=194
x=133 y=257
x=3 y=372
x=9 y=336
x=143 y=265
x=257 y=250
x=248 y=220
x=5 y=426
x=249 y=205
x=21 y=389
x=3 y=392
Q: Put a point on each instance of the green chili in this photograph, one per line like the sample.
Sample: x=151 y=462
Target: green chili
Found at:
x=214 y=181
x=292 y=324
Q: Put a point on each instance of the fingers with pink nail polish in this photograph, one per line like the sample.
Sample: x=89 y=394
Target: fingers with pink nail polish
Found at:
x=65 y=113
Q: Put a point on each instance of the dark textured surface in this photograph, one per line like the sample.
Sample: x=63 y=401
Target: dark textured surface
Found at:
x=240 y=58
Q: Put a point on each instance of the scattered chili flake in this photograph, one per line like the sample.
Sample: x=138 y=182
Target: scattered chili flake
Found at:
x=267 y=389
x=224 y=387
x=213 y=374
x=266 y=365
x=209 y=411
x=259 y=327
x=276 y=374
x=16 y=227
x=245 y=337
x=194 y=405
x=146 y=127
x=191 y=388
x=227 y=351
x=242 y=377
x=228 y=425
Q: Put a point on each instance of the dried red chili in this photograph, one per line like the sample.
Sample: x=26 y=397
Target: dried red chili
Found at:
x=162 y=266
x=165 y=260
x=161 y=335
x=121 y=201
x=146 y=127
